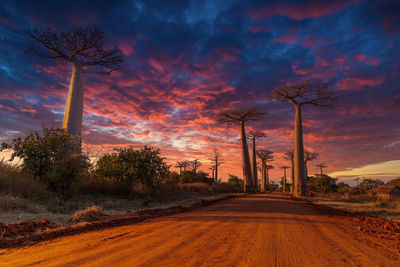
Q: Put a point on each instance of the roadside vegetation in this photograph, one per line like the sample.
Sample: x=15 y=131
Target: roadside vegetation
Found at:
x=55 y=178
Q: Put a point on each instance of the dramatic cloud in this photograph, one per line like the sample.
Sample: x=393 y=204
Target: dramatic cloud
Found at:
x=187 y=61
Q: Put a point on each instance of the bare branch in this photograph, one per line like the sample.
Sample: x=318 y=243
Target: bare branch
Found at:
x=240 y=115
x=84 y=46
x=306 y=92
x=256 y=135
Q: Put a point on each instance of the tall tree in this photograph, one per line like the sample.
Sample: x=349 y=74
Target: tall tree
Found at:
x=180 y=165
x=216 y=160
x=322 y=166
x=309 y=156
x=240 y=116
x=284 y=177
x=289 y=155
x=82 y=48
x=265 y=156
x=212 y=169
x=300 y=94
x=253 y=135
x=195 y=164
x=268 y=167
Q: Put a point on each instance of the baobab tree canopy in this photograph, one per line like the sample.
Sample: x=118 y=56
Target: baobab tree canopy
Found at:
x=84 y=46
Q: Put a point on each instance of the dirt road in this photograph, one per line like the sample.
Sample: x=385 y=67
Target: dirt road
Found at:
x=257 y=230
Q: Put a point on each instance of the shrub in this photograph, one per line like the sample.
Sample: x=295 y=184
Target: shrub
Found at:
x=236 y=183
x=321 y=183
x=89 y=214
x=195 y=177
x=54 y=158
x=195 y=187
x=133 y=168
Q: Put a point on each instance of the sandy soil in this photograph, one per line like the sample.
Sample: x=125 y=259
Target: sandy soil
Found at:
x=257 y=230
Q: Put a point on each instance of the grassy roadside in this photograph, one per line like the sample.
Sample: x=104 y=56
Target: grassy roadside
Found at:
x=370 y=206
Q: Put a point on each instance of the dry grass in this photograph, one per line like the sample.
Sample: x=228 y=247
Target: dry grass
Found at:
x=90 y=214
x=195 y=187
x=365 y=204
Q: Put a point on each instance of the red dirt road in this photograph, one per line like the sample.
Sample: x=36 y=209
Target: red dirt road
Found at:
x=257 y=230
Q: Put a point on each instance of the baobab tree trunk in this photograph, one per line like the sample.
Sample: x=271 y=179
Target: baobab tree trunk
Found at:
x=305 y=169
x=74 y=107
x=263 y=176
x=254 y=164
x=216 y=172
x=284 y=180
x=292 y=177
x=266 y=178
x=299 y=173
x=247 y=177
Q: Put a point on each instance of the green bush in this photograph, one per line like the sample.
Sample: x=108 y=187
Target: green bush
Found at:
x=195 y=177
x=321 y=183
x=54 y=158
x=236 y=183
x=135 y=169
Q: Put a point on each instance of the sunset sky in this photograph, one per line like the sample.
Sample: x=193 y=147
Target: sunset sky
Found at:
x=188 y=61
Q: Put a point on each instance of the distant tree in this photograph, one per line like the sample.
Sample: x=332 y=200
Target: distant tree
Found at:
x=368 y=184
x=322 y=166
x=298 y=95
x=83 y=48
x=265 y=156
x=195 y=164
x=240 y=116
x=253 y=135
x=309 y=156
x=212 y=169
x=268 y=167
x=342 y=187
x=284 y=177
x=289 y=155
x=357 y=180
x=322 y=183
x=180 y=165
x=216 y=160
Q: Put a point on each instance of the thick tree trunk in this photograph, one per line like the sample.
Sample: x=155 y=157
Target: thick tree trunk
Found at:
x=266 y=179
x=299 y=173
x=292 y=177
x=74 y=107
x=254 y=164
x=263 y=176
x=247 y=177
x=216 y=171
x=284 y=180
x=305 y=169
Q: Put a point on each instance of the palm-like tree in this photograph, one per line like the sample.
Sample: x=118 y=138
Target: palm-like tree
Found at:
x=195 y=164
x=217 y=160
x=309 y=156
x=298 y=95
x=289 y=155
x=240 y=116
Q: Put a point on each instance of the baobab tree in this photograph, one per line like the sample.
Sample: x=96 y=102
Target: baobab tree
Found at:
x=180 y=165
x=216 y=160
x=82 y=48
x=300 y=94
x=289 y=155
x=309 y=156
x=240 y=116
x=253 y=136
x=212 y=169
x=284 y=177
x=265 y=156
x=195 y=164
x=322 y=166
x=268 y=167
